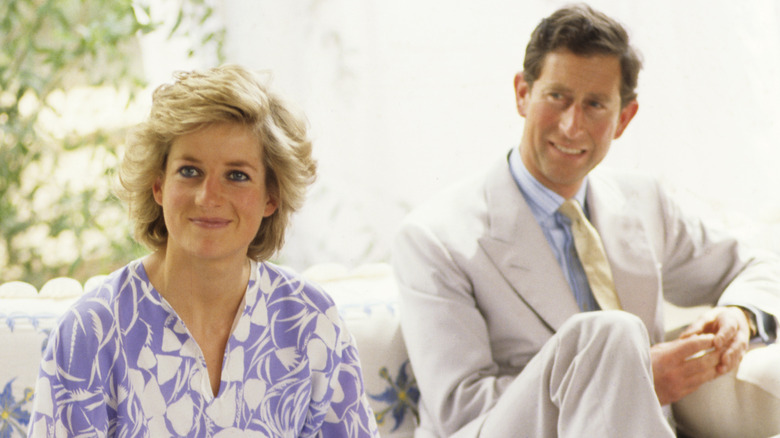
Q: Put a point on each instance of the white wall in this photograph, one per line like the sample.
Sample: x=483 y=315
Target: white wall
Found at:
x=405 y=97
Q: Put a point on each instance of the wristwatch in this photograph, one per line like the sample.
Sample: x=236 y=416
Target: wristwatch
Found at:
x=751 y=318
x=763 y=325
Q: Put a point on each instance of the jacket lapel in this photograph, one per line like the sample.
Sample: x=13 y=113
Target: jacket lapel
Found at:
x=516 y=245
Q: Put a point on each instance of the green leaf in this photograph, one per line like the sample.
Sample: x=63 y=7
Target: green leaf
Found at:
x=49 y=46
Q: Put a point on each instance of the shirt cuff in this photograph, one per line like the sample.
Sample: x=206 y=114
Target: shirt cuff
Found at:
x=766 y=325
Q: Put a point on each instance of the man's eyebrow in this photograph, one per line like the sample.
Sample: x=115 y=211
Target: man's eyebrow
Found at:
x=599 y=96
x=564 y=89
x=557 y=87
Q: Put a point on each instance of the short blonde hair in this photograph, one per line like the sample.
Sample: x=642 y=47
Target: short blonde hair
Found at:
x=197 y=99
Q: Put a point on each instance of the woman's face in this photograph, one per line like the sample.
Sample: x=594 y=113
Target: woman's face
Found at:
x=213 y=194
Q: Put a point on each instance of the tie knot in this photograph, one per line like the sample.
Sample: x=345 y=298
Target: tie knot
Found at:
x=572 y=210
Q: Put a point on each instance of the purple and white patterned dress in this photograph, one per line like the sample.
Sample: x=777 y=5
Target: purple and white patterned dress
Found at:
x=121 y=363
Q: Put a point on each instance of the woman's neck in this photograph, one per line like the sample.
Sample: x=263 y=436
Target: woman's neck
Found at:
x=206 y=295
x=199 y=290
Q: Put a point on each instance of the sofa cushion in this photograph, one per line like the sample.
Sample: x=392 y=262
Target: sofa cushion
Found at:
x=734 y=405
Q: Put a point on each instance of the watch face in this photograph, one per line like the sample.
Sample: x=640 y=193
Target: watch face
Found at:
x=762 y=326
x=752 y=322
x=770 y=330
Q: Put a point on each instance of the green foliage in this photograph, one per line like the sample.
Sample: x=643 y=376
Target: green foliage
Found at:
x=49 y=225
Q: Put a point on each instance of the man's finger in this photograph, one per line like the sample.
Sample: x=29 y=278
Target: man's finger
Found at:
x=692 y=347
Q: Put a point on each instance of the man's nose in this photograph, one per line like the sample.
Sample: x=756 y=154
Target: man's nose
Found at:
x=571 y=121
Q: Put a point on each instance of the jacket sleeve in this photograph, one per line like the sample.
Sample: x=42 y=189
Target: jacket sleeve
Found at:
x=705 y=265
x=445 y=332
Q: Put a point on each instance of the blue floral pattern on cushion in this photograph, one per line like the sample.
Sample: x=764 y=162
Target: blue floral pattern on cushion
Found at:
x=402 y=395
x=13 y=416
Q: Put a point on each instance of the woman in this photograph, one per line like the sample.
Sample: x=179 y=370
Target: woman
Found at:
x=204 y=337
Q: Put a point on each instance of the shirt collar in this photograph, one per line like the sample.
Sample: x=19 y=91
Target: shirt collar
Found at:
x=543 y=202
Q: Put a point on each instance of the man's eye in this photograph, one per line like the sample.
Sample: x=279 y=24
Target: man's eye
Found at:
x=238 y=176
x=188 y=171
x=596 y=104
x=557 y=98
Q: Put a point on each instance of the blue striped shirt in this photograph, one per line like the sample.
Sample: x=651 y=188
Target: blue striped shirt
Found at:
x=544 y=204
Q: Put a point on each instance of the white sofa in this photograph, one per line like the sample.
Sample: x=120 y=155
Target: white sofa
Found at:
x=367 y=299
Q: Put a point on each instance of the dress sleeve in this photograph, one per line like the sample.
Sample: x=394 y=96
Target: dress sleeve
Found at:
x=347 y=412
x=69 y=397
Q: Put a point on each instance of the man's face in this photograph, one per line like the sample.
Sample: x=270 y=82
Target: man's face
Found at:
x=573 y=112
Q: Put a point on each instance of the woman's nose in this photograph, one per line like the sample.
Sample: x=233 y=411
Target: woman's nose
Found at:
x=210 y=192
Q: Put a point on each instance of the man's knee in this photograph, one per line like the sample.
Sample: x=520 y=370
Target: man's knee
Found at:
x=602 y=354
x=612 y=321
x=606 y=330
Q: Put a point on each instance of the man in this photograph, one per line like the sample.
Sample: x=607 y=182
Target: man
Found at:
x=501 y=312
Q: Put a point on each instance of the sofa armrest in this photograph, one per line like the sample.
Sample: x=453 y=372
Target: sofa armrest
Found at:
x=26 y=319
x=745 y=402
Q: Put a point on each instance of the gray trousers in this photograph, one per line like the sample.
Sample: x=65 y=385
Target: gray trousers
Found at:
x=592 y=379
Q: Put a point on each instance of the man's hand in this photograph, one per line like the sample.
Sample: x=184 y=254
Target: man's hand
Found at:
x=682 y=365
x=711 y=346
x=732 y=334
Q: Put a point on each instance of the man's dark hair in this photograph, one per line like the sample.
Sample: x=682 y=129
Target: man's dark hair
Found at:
x=583 y=31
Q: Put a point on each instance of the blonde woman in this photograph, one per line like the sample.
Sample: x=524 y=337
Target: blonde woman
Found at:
x=205 y=337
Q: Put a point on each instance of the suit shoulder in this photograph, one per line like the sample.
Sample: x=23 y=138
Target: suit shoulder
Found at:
x=627 y=182
x=455 y=206
x=623 y=176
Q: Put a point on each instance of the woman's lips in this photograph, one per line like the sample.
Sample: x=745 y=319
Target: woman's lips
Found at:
x=209 y=222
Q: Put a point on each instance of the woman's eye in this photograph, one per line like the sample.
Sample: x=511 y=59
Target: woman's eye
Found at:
x=188 y=171
x=236 y=175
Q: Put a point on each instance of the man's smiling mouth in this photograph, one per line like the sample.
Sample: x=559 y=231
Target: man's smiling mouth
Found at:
x=568 y=151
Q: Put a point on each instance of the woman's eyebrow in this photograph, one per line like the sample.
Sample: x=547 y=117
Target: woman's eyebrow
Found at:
x=242 y=163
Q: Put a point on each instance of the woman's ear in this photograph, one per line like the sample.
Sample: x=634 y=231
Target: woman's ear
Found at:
x=271 y=204
x=157 y=190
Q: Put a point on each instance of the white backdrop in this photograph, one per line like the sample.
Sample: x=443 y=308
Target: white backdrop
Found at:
x=405 y=97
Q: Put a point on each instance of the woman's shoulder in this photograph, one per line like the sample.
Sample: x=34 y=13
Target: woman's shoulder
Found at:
x=100 y=302
x=110 y=287
x=284 y=286
x=298 y=313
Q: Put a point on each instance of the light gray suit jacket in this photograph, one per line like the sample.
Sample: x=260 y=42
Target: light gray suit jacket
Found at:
x=481 y=290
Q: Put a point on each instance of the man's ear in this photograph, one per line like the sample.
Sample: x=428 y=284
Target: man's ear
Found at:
x=522 y=91
x=626 y=114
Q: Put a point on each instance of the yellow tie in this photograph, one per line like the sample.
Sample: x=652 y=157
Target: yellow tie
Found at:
x=592 y=255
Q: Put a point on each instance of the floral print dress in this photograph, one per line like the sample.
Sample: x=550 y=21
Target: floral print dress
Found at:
x=122 y=363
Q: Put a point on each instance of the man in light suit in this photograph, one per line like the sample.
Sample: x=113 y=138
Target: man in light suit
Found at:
x=502 y=328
